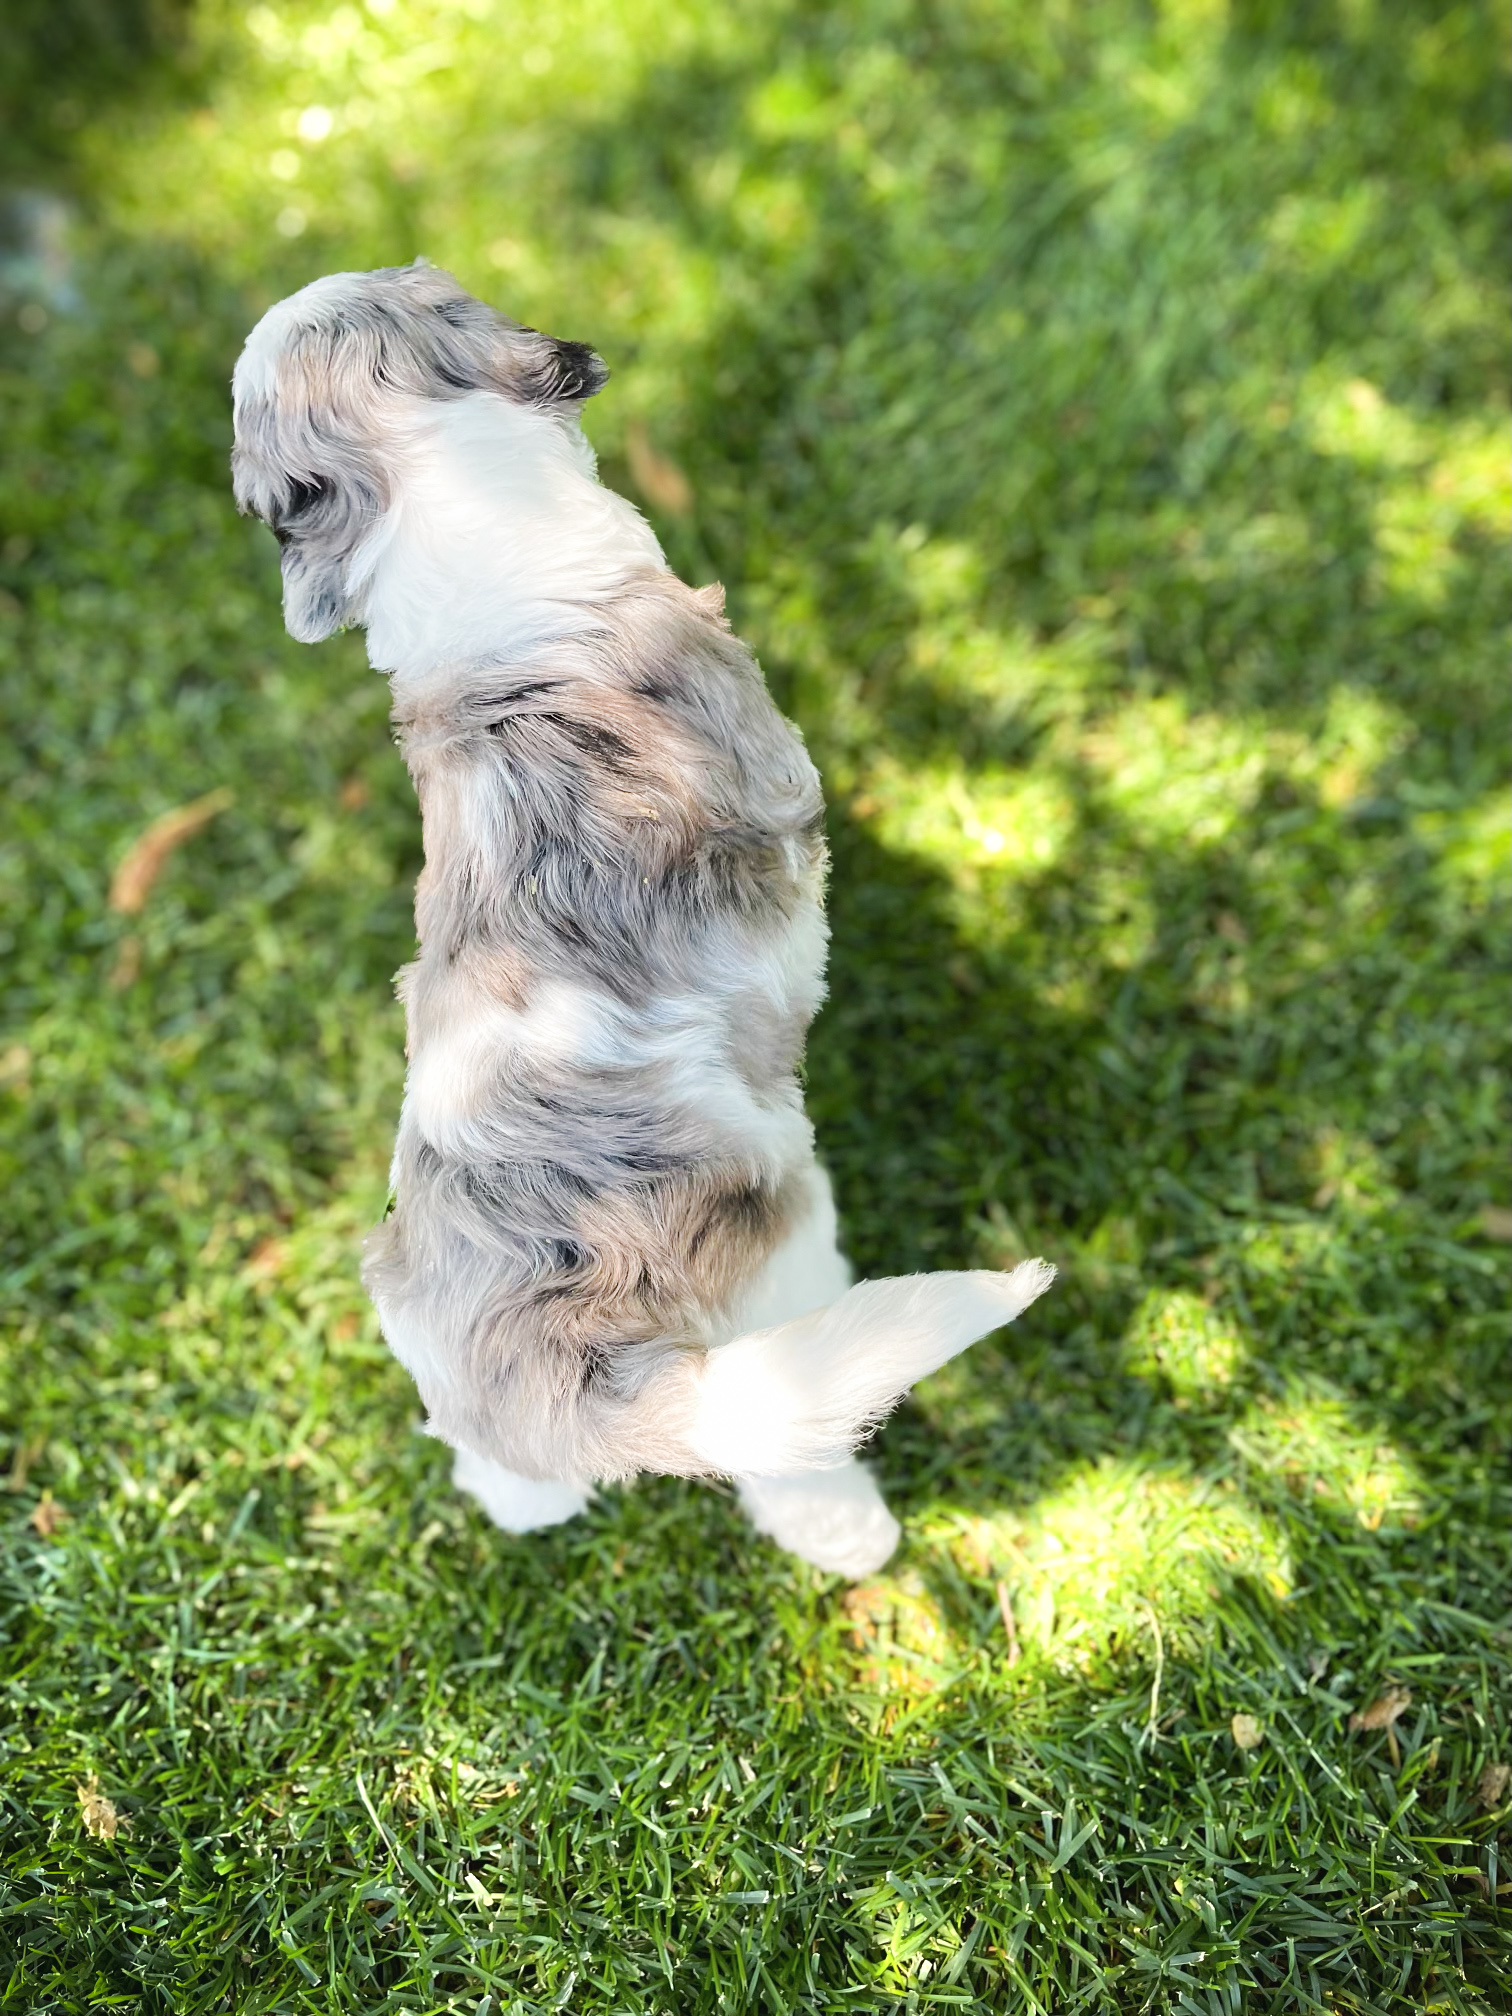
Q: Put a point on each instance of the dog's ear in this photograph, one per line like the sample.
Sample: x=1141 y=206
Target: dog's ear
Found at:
x=432 y=337
x=296 y=466
x=551 y=370
x=319 y=530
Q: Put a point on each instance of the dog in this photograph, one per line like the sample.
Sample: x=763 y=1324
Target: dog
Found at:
x=611 y=1248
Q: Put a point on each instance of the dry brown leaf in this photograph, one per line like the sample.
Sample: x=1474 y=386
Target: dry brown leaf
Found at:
x=143 y=860
x=1497 y=1223
x=1384 y=1710
x=1247 y=1732
x=102 y=1821
x=354 y=794
x=1491 y=1786
x=658 y=479
x=1382 y=1714
x=47 y=1515
x=266 y=1260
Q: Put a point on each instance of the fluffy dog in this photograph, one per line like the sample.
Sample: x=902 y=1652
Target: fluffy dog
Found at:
x=611 y=1247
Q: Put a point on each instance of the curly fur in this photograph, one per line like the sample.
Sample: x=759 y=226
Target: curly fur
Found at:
x=611 y=1247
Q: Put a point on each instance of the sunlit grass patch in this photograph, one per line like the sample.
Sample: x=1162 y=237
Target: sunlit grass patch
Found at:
x=1178 y=1337
x=902 y=1640
x=1172 y=774
x=1313 y=1441
x=1118 y=1554
x=965 y=820
x=1350 y=1170
x=1473 y=845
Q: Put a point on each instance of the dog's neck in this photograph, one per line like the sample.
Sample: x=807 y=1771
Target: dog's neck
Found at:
x=500 y=537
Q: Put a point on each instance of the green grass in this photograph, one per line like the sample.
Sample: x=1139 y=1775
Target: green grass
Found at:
x=1098 y=416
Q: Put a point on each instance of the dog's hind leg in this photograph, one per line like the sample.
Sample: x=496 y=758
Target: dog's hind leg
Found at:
x=517 y=1504
x=837 y=1519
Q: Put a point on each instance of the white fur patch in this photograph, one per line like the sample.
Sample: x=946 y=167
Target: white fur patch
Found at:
x=452 y=1079
x=837 y=1519
x=499 y=535
x=798 y=1397
x=517 y=1504
x=807 y=1271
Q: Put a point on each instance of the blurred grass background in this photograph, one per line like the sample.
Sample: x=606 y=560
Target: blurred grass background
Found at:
x=1098 y=416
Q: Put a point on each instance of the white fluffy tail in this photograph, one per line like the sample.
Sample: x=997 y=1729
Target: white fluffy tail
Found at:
x=801 y=1396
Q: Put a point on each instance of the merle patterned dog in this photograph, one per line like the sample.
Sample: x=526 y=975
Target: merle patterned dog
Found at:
x=612 y=1248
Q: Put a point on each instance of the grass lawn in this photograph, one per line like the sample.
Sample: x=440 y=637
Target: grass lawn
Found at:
x=1098 y=415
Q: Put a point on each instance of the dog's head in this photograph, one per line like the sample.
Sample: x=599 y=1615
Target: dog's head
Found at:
x=310 y=392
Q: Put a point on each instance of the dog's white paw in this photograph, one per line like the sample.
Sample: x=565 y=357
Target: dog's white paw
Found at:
x=836 y=1519
x=517 y=1504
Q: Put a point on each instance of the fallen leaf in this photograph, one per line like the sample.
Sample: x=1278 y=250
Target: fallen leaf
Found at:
x=266 y=1260
x=102 y=1822
x=659 y=480
x=1247 y=1732
x=354 y=794
x=47 y=1515
x=1382 y=1714
x=143 y=860
x=1384 y=1710
x=1491 y=1786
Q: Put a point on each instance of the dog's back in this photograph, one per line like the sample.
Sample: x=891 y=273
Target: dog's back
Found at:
x=621 y=948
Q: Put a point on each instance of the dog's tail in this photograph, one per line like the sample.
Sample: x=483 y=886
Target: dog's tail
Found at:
x=771 y=1403
x=803 y=1395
